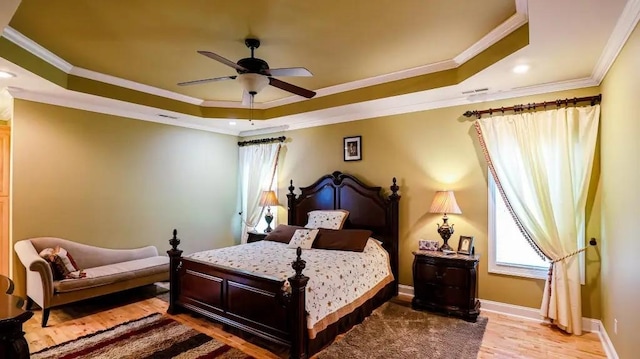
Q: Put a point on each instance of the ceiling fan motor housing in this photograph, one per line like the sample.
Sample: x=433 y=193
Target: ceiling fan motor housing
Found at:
x=254 y=65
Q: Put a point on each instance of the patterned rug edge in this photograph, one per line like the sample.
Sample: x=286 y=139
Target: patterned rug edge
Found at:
x=118 y=340
x=96 y=333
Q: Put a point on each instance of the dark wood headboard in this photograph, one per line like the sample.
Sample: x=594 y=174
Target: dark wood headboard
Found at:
x=368 y=208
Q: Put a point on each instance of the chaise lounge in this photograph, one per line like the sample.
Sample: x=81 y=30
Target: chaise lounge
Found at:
x=105 y=271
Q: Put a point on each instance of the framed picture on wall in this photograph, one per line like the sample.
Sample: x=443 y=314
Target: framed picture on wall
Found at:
x=352 y=148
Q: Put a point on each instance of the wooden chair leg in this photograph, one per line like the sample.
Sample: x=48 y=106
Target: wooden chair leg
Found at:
x=45 y=317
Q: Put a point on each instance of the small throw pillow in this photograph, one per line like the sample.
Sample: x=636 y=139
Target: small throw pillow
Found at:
x=62 y=264
x=327 y=219
x=303 y=238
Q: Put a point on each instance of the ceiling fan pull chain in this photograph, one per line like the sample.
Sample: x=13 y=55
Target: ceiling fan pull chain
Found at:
x=251 y=103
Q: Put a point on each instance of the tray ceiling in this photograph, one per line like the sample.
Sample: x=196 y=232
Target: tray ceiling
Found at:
x=369 y=58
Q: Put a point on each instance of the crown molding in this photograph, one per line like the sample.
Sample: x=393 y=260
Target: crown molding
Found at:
x=237 y=104
x=98 y=76
x=549 y=87
x=495 y=35
x=263 y=131
x=26 y=43
x=119 y=108
x=371 y=81
x=400 y=105
x=396 y=105
x=621 y=32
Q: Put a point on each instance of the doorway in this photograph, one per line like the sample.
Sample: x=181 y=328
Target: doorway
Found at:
x=5 y=155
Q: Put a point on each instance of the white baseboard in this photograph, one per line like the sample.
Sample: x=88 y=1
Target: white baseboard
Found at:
x=588 y=324
x=607 y=344
x=405 y=291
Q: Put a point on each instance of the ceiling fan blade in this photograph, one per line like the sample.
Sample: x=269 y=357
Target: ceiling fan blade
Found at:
x=291 y=88
x=195 y=82
x=246 y=98
x=219 y=58
x=291 y=71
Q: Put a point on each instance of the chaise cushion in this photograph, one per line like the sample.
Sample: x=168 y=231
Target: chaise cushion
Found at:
x=113 y=273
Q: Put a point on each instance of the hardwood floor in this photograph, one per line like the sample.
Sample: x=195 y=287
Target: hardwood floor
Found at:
x=505 y=337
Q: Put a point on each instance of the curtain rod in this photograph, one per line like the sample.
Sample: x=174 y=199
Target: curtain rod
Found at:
x=532 y=106
x=262 y=140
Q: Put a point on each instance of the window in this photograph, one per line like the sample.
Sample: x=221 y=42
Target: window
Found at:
x=509 y=251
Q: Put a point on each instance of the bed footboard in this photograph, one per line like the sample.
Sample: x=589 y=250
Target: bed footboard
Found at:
x=269 y=308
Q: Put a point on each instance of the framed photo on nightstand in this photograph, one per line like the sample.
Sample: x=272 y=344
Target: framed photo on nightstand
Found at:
x=465 y=245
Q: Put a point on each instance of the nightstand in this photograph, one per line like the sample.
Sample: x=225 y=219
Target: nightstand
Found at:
x=446 y=283
x=255 y=236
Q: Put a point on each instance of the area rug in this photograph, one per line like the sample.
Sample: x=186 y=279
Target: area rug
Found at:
x=154 y=336
x=396 y=331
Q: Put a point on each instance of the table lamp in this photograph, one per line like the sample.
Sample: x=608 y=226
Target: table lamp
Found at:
x=445 y=202
x=268 y=199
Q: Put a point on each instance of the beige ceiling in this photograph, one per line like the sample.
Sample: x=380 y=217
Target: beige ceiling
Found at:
x=155 y=42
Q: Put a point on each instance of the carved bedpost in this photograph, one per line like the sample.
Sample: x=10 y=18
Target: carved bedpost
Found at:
x=297 y=310
x=291 y=208
x=394 y=198
x=174 y=277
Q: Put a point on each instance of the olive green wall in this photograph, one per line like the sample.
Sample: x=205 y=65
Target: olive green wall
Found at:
x=620 y=179
x=120 y=183
x=429 y=151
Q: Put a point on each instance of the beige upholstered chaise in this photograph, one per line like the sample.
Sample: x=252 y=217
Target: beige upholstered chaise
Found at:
x=107 y=271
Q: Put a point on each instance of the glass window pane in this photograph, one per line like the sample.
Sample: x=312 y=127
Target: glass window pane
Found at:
x=511 y=246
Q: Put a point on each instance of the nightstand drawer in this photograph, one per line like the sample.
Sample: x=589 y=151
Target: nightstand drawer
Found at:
x=429 y=273
x=455 y=277
x=455 y=297
x=426 y=273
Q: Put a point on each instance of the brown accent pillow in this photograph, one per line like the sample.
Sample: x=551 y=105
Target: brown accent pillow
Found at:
x=62 y=264
x=282 y=233
x=342 y=239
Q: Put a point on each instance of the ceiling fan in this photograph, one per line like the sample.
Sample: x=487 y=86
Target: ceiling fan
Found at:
x=255 y=74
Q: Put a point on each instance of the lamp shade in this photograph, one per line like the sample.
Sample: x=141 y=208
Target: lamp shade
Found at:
x=445 y=202
x=268 y=198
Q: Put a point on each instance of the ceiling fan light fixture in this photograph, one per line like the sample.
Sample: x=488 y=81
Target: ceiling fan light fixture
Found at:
x=253 y=83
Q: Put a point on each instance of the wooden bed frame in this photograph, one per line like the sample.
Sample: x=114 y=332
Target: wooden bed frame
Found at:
x=262 y=305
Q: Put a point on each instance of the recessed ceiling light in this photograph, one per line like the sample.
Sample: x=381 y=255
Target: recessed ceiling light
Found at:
x=6 y=75
x=232 y=123
x=521 y=69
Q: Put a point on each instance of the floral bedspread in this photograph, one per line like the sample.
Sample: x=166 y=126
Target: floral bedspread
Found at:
x=339 y=281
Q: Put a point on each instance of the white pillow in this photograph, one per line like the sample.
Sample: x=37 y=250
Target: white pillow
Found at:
x=303 y=238
x=327 y=219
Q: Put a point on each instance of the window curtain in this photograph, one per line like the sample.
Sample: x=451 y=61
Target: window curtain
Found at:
x=541 y=162
x=258 y=165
